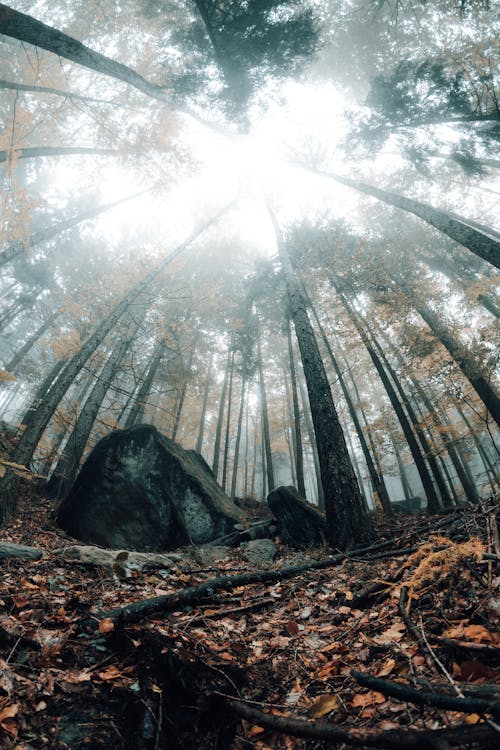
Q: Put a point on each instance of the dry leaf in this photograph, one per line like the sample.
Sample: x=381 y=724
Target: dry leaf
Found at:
x=9 y=712
x=292 y=628
x=387 y=668
x=323 y=705
x=111 y=673
x=478 y=633
x=6 y=376
x=107 y=625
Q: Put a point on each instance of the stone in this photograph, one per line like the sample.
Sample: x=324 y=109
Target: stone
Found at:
x=209 y=554
x=141 y=491
x=259 y=552
x=412 y=505
x=298 y=523
x=19 y=551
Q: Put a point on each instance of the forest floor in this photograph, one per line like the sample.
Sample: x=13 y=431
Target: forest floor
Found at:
x=395 y=648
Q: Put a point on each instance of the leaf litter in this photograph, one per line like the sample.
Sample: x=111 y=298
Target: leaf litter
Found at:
x=73 y=678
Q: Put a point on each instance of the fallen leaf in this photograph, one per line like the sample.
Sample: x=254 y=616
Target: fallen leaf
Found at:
x=107 y=625
x=9 y=712
x=111 y=673
x=361 y=700
x=386 y=668
x=323 y=705
x=472 y=719
x=292 y=628
x=6 y=376
x=478 y=633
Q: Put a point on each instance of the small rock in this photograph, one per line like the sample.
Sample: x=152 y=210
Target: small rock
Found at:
x=260 y=552
x=210 y=553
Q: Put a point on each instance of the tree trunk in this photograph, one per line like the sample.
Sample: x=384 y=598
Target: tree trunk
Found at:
x=182 y=397
x=266 y=437
x=56 y=92
x=306 y=410
x=27 y=29
x=136 y=413
x=228 y=424
x=459 y=230
x=402 y=471
x=220 y=416
x=17 y=247
x=348 y=523
x=67 y=467
x=199 y=441
x=37 y=151
x=432 y=499
x=297 y=442
x=238 y=440
x=377 y=481
x=40 y=417
x=29 y=343
x=483 y=389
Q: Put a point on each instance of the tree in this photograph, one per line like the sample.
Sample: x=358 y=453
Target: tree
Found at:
x=347 y=520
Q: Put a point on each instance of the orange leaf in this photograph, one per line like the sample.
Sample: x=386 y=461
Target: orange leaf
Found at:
x=478 y=633
x=111 y=673
x=387 y=668
x=323 y=705
x=292 y=628
x=9 y=711
x=107 y=625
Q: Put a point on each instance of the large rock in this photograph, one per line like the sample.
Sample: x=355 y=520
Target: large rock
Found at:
x=298 y=523
x=139 y=490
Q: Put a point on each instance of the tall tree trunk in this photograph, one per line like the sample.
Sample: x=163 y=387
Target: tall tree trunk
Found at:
x=29 y=343
x=17 y=247
x=228 y=424
x=31 y=88
x=479 y=243
x=220 y=416
x=347 y=521
x=299 y=456
x=201 y=431
x=430 y=493
x=27 y=29
x=377 y=481
x=402 y=471
x=41 y=416
x=306 y=410
x=136 y=413
x=65 y=472
x=234 y=478
x=38 y=151
x=266 y=436
x=459 y=354
x=182 y=397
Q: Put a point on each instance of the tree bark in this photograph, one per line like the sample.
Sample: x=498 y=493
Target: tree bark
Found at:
x=182 y=397
x=228 y=424
x=199 y=441
x=416 y=453
x=458 y=229
x=220 y=416
x=458 y=353
x=65 y=472
x=27 y=29
x=266 y=437
x=377 y=481
x=38 y=151
x=29 y=343
x=347 y=520
x=136 y=413
x=238 y=440
x=31 y=88
x=297 y=443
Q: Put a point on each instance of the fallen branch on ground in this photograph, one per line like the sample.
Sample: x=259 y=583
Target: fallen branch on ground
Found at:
x=411 y=738
x=411 y=695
